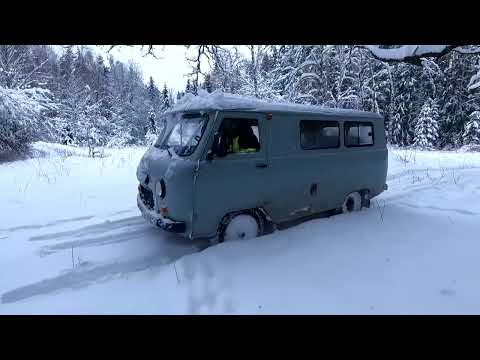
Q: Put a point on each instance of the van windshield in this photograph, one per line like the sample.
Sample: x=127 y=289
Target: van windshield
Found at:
x=185 y=135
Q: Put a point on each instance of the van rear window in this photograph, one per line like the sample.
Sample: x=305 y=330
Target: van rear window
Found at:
x=358 y=134
x=315 y=134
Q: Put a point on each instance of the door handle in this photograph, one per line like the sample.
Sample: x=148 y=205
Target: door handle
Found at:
x=261 y=165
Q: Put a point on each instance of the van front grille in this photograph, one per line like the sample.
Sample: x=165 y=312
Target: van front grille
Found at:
x=146 y=195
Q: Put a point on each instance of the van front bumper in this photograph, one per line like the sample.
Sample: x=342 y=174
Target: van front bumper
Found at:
x=160 y=221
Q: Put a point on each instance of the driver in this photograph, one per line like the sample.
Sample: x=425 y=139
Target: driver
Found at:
x=240 y=137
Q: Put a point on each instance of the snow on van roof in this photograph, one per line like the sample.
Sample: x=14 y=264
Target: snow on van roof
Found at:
x=219 y=100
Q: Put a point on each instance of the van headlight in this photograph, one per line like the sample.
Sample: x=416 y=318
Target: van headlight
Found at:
x=160 y=189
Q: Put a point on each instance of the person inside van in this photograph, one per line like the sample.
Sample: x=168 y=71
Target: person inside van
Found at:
x=238 y=137
x=246 y=141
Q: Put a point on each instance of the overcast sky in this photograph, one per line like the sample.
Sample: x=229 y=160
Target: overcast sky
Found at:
x=169 y=67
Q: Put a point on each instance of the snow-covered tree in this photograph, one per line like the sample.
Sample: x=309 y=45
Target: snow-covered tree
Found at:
x=226 y=70
x=456 y=102
x=471 y=133
x=328 y=76
x=414 y=54
x=120 y=109
x=97 y=103
x=395 y=130
x=286 y=74
x=188 y=87
x=207 y=84
x=24 y=113
x=171 y=99
x=426 y=128
x=153 y=93
x=155 y=106
x=474 y=82
x=165 y=98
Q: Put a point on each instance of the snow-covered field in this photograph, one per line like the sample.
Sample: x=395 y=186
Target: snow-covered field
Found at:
x=72 y=241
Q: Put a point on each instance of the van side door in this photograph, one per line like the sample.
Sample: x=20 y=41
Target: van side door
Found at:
x=233 y=182
x=303 y=172
x=320 y=142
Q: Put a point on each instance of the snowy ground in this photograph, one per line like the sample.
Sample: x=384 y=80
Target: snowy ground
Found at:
x=72 y=241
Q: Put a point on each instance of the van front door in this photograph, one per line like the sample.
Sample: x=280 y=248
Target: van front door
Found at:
x=236 y=181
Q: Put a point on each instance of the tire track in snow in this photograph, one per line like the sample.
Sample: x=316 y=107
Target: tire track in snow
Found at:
x=76 y=278
x=93 y=229
x=98 y=241
x=62 y=221
x=53 y=223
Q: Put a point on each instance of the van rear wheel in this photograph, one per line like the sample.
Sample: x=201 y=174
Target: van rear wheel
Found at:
x=240 y=226
x=353 y=202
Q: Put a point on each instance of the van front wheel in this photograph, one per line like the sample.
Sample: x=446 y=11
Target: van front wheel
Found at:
x=353 y=202
x=240 y=226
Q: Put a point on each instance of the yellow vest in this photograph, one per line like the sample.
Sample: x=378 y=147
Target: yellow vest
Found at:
x=236 y=148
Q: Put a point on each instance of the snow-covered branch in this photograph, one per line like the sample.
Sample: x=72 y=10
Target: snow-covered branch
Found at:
x=474 y=82
x=27 y=78
x=413 y=54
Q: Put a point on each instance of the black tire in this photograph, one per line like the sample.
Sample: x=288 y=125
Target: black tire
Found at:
x=353 y=202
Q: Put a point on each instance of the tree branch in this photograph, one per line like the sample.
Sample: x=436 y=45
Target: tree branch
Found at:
x=413 y=54
x=150 y=50
x=28 y=76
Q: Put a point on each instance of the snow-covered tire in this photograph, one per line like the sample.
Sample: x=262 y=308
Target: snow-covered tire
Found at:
x=240 y=226
x=353 y=202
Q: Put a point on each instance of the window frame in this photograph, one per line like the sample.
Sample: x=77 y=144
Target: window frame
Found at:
x=160 y=144
x=244 y=118
x=333 y=123
x=346 y=127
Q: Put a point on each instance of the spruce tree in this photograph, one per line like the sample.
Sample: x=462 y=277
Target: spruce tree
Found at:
x=66 y=72
x=426 y=128
x=395 y=130
x=471 y=133
x=165 y=97
x=153 y=92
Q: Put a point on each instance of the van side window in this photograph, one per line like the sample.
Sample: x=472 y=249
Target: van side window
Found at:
x=315 y=134
x=358 y=134
x=241 y=135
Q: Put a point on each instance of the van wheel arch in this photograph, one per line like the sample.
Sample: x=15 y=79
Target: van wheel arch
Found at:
x=260 y=216
x=365 y=193
x=356 y=200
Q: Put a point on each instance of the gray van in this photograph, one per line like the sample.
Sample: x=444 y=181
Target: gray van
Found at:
x=224 y=169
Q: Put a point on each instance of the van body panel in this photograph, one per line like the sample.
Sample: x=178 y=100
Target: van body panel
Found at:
x=297 y=177
x=177 y=173
x=228 y=184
